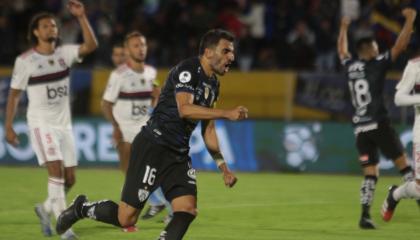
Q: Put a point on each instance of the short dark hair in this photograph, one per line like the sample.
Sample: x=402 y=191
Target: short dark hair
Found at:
x=34 y=24
x=118 y=45
x=212 y=38
x=132 y=34
x=363 y=42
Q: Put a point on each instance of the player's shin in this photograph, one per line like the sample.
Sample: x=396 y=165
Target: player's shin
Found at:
x=177 y=227
x=105 y=211
x=366 y=194
x=56 y=196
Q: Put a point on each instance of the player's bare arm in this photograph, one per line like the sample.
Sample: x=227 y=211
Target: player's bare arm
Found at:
x=90 y=42
x=187 y=109
x=405 y=34
x=342 y=42
x=12 y=104
x=107 y=111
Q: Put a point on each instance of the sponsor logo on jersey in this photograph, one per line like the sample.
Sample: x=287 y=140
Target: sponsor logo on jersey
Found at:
x=185 y=76
x=62 y=63
x=57 y=92
x=143 y=194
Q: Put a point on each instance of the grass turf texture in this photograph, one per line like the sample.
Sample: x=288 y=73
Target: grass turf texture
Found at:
x=261 y=207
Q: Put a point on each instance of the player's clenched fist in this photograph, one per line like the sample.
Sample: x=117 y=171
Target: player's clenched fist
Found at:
x=237 y=113
x=409 y=13
x=76 y=8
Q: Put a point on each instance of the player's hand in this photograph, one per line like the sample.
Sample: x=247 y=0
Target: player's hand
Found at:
x=409 y=13
x=229 y=178
x=117 y=137
x=345 y=21
x=11 y=137
x=237 y=113
x=76 y=8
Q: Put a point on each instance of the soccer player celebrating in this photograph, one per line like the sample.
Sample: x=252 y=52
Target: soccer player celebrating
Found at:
x=43 y=72
x=131 y=92
x=404 y=96
x=159 y=155
x=372 y=128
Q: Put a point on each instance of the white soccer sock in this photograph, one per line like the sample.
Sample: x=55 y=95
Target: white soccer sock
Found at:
x=56 y=195
x=47 y=205
x=407 y=190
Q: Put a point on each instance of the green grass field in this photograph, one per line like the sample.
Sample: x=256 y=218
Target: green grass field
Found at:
x=260 y=207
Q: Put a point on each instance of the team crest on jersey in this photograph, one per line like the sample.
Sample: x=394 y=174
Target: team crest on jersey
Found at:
x=143 y=194
x=51 y=62
x=191 y=173
x=62 y=63
x=185 y=76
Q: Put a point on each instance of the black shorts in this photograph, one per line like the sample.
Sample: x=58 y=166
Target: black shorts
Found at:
x=152 y=165
x=384 y=138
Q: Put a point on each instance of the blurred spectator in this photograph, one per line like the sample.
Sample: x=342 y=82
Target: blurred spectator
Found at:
x=301 y=40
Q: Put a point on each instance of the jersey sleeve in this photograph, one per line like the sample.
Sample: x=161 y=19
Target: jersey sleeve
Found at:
x=71 y=54
x=345 y=61
x=153 y=74
x=20 y=76
x=185 y=79
x=404 y=96
x=384 y=59
x=112 y=89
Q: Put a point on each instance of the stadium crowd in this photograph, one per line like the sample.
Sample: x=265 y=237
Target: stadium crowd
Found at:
x=272 y=34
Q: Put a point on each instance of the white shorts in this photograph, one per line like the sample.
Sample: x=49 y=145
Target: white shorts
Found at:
x=129 y=131
x=416 y=160
x=52 y=144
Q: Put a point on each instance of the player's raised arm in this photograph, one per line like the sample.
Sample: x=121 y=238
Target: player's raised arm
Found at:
x=342 y=41
x=89 y=40
x=405 y=34
x=208 y=130
x=187 y=109
x=403 y=96
x=12 y=104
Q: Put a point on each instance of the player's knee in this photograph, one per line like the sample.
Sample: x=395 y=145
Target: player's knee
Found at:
x=191 y=209
x=126 y=220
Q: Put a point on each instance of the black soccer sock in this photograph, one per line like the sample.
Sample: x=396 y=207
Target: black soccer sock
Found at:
x=103 y=211
x=177 y=227
x=366 y=194
x=407 y=174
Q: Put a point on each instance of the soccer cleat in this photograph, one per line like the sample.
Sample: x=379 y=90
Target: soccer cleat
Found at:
x=71 y=215
x=153 y=211
x=130 y=229
x=366 y=223
x=44 y=219
x=389 y=205
x=69 y=235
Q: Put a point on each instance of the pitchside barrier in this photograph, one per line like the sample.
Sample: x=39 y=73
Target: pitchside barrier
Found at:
x=252 y=145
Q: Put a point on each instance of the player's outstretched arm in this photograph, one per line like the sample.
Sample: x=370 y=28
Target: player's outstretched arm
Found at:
x=90 y=43
x=208 y=130
x=403 y=96
x=12 y=104
x=342 y=41
x=187 y=109
x=405 y=34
